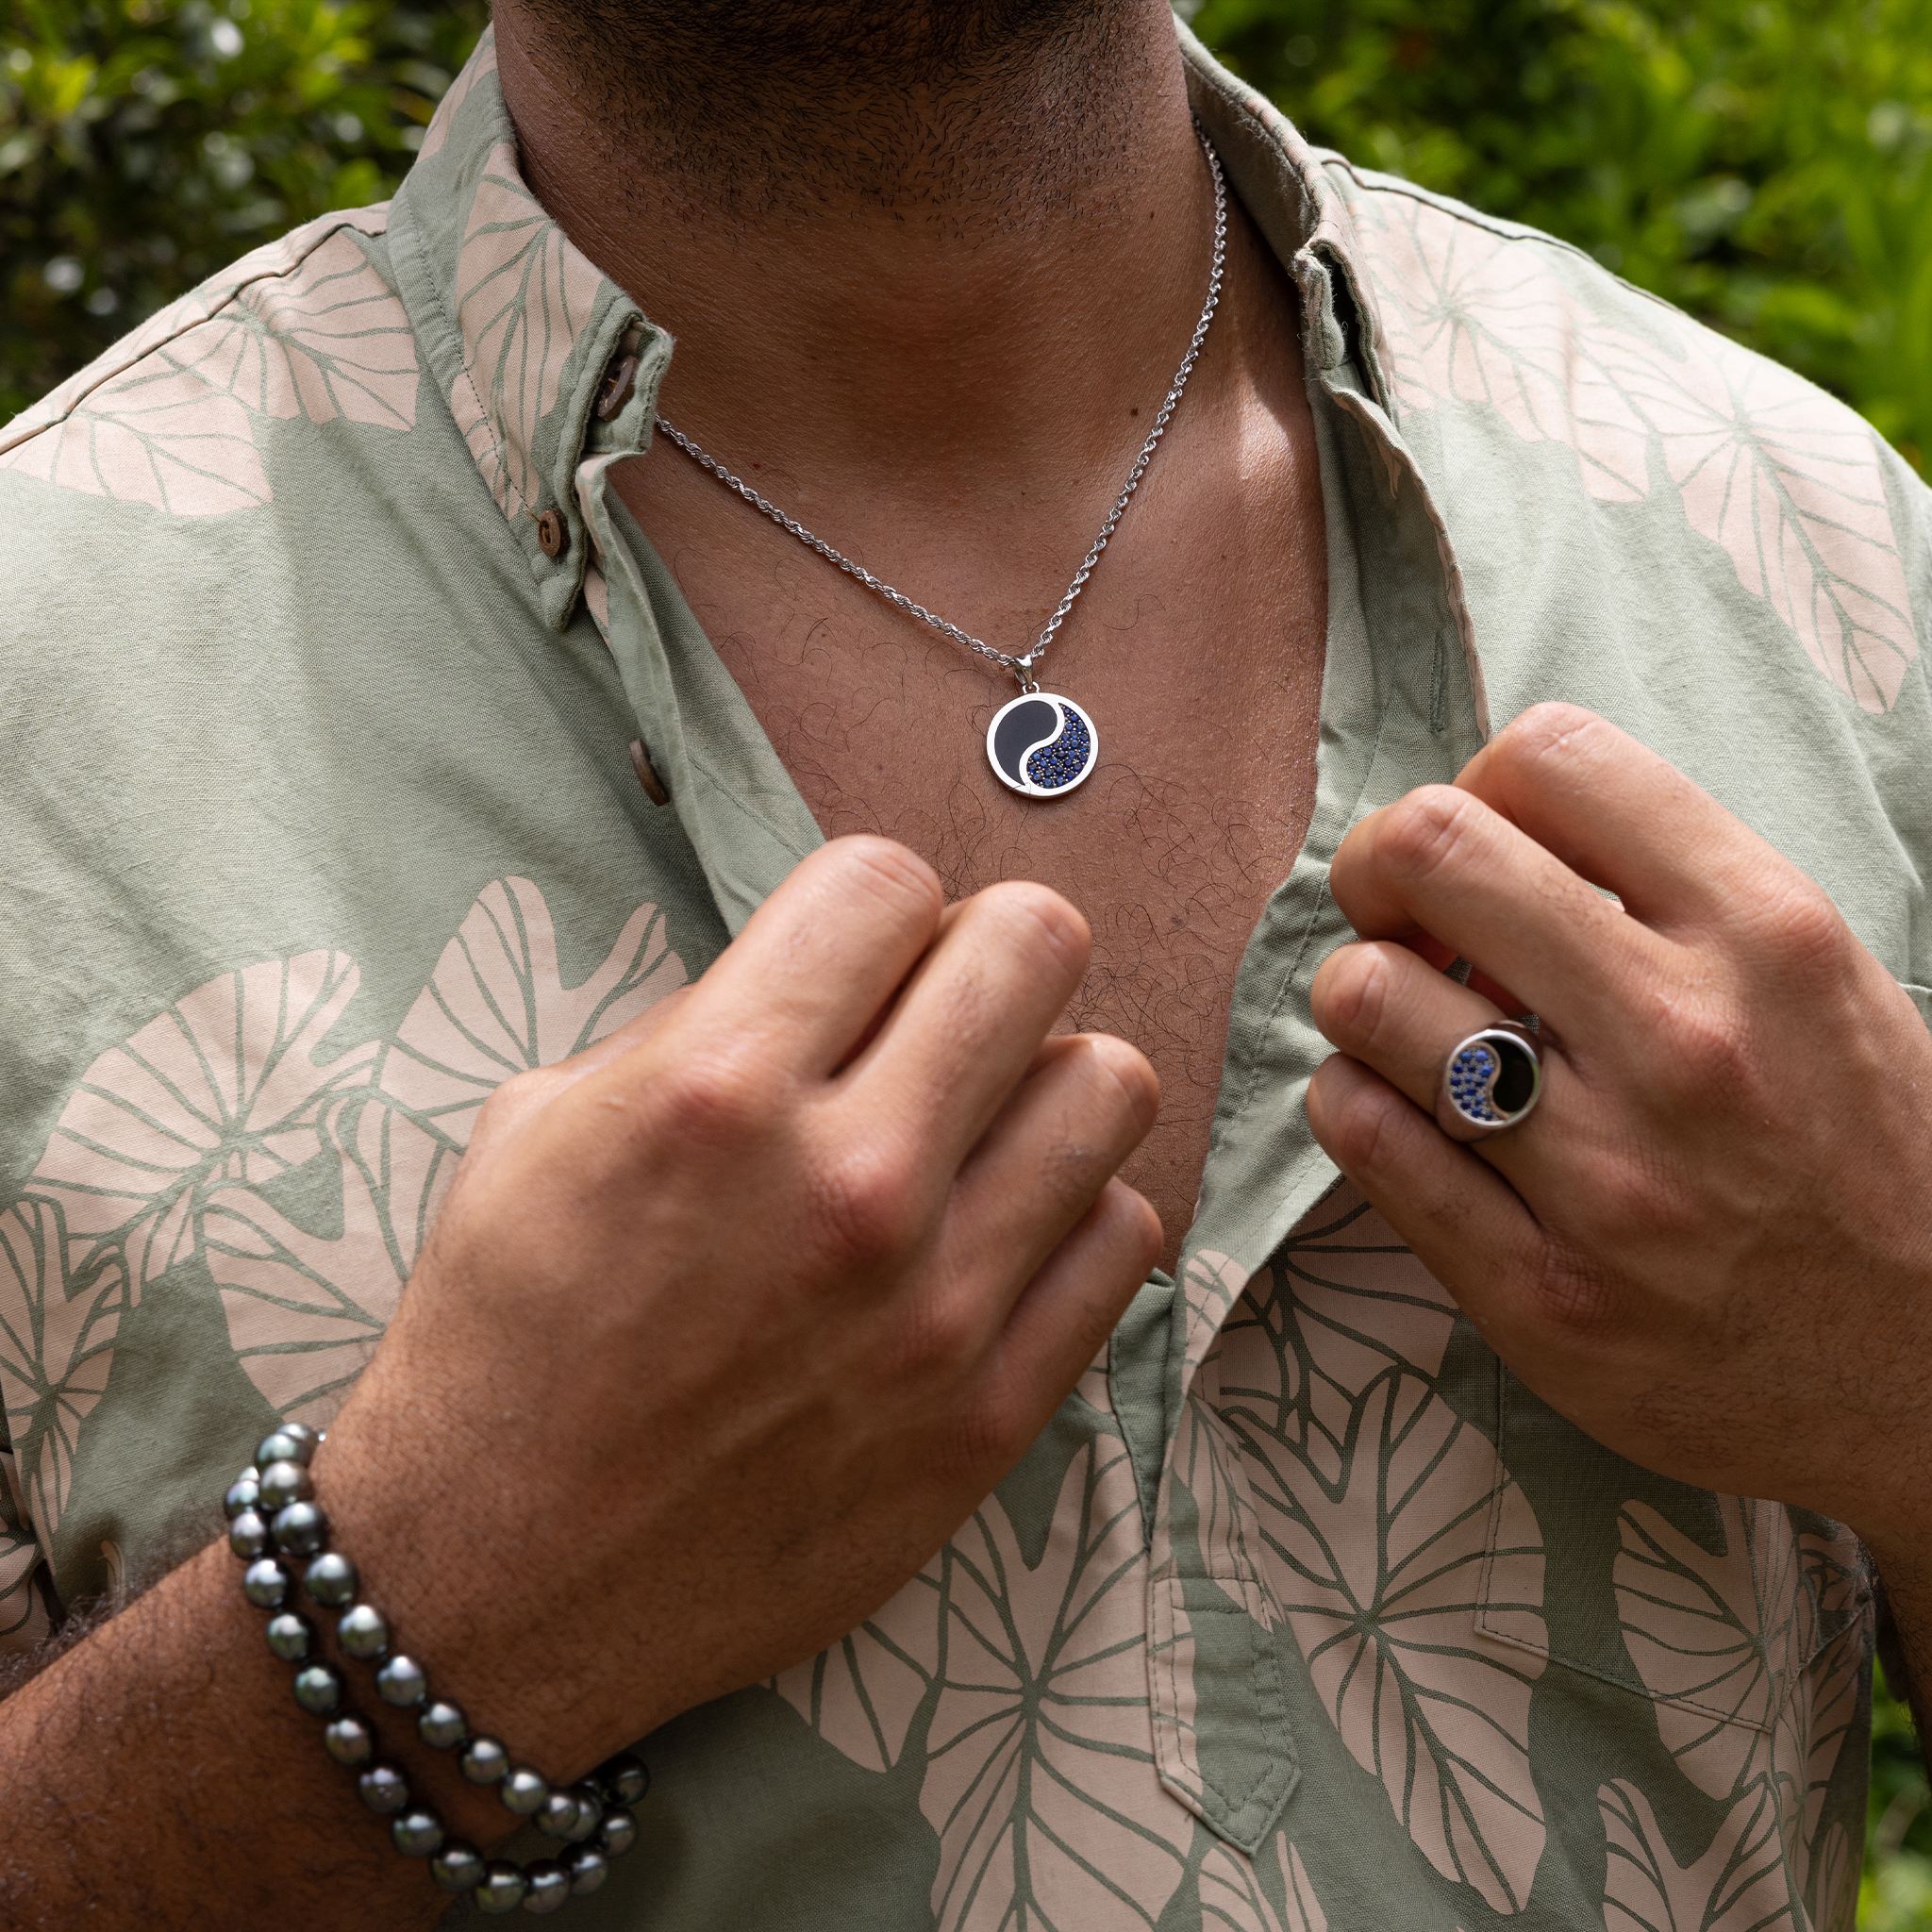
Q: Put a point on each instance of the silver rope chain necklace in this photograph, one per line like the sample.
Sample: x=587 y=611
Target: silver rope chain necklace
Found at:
x=1039 y=745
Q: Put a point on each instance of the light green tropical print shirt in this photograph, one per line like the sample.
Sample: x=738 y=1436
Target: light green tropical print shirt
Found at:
x=1303 y=1615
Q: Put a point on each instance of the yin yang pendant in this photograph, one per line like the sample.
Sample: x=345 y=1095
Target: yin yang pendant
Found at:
x=1041 y=745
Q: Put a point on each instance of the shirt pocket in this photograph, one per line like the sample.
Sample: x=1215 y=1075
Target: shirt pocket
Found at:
x=1712 y=1609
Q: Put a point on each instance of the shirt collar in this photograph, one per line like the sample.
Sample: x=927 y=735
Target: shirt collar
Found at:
x=521 y=329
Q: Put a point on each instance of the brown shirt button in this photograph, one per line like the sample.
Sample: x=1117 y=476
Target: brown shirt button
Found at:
x=647 y=775
x=552 y=533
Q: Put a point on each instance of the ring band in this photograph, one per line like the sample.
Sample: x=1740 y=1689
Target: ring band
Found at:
x=1490 y=1081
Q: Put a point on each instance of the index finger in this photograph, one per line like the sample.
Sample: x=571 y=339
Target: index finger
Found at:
x=1442 y=862
x=1614 y=811
x=817 y=961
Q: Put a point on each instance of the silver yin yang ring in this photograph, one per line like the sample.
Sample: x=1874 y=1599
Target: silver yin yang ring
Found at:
x=1490 y=1082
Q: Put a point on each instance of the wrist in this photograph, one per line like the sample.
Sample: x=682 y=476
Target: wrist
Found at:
x=402 y=1745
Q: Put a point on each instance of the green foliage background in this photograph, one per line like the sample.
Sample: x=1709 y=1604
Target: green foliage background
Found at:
x=144 y=143
x=1763 y=163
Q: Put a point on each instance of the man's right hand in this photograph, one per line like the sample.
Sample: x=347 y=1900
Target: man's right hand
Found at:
x=727 y=1324
x=730 y=1323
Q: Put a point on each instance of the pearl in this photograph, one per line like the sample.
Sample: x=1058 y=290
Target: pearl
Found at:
x=590 y=1811
x=484 y=1761
x=289 y=1636
x=265 y=1583
x=383 y=1788
x=524 y=1791
x=557 y=1817
x=283 y=1483
x=244 y=1492
x=625 y=1778
x=349 y=1741
x=617 y=1834
x=441 y=1725
x=294 y=1443
x=457 y=1867
x=402 y=1681
x=331 y=1580
x=586 y=1867
x=502 y=1887
x=546 y=1887
x=363 y=1631
x=248 y=1535
x=301 y=1529
x=417 y=1832
x=319 y=1690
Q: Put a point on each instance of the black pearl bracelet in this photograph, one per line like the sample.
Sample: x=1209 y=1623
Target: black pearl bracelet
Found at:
x=276 y=1526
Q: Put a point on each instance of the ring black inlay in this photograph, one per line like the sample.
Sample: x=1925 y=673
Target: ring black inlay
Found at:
x=1515 y=1072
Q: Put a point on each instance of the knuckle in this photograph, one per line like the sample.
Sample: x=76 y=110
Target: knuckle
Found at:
x=1074 y=1174
x=988 y=1437
x=1357 y=994
x=1573 y=1296
x=939 y=1336
x=1544 y=731
x=1419 y=834
x=884 y=866
x=1812 y=933
x=1365 y=1130
x=1125 y=1085
x=1037 y=920
x=712 y=1099
x=512 y=1097
x=868 y=1204
x=1709 y=1055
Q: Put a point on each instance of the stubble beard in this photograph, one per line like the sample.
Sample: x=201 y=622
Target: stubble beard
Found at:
x=974 y=117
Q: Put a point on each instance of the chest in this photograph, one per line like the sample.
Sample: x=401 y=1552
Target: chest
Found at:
x=1196 y=648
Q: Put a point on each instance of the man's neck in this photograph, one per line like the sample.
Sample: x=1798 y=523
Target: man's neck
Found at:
x=957 y=257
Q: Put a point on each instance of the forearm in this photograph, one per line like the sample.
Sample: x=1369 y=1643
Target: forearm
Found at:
x=161 y=1772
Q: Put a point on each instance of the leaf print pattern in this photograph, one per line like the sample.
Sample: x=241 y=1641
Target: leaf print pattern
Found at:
x=1349 y=1302
x=1784 y=479
x=1206 y=1463
x=163 y=1150
x=524 y=293
x=1210 y=1284
x=1788 y=483
x=1818 y=1720
x=1738 y=1885
x=1232 y=1898
x=159 y=435
x=1380 y=1575
x=305 y=1312
x=862 y=1694
x=168 y=418
x=210 y=298
x=330 y=339
x=1723 y=1642
x=1040 y=1777
x=481 y=61
x=226 y=1086
x=1471 y=316
x=1834 y=1902
x=55 y=1348
x=497 y=1005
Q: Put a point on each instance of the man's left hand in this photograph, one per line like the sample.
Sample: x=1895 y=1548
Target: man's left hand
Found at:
x=1710 y=1245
